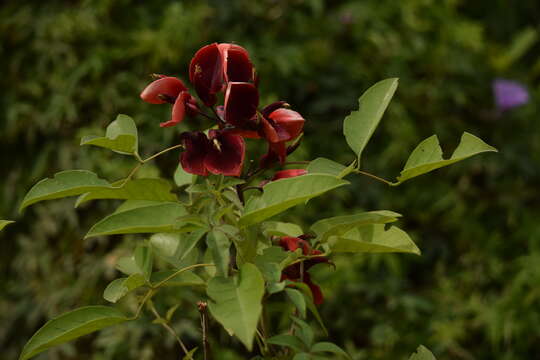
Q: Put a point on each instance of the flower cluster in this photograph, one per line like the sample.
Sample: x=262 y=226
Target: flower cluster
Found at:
x=225 y=69
x=299 y=271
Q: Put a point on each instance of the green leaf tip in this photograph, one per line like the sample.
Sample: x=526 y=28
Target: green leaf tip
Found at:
x=69 y=326
x=4 y=223
x=428 y=156
x=360 y=125
x=120 y=136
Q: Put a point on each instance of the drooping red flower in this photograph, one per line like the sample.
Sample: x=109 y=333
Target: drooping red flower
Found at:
x=215 y=65
x=220 y=153
x=283 y=174
x=296 y=272
x=226 y=153
x=237 y=66
x=240 y=106
x=168 y=89
x=282 y=125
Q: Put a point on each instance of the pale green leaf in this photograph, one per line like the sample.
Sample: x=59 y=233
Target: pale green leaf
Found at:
x=176 y=248
x=281 y=195
x=148 y=219
x=181 y=177
x=298 y=300
x=359 y=126
x=428 y=155
x=70 y=326
x=422 y=353
x=337 y=226
x=144 y=259
x=118 y=288
x=276 y=228
x=120 y=136
x=326 y=166
x=137 y=189
x=329 y=347
x=219 y=244
x=304 y=331
x=65 y=183
x=373 y=239
x=4 y=223
x=237 y=302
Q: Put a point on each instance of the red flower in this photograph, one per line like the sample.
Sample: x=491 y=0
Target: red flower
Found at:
x=215 y=65
x=279 y=125
x=221 y=153
x=296 y=272
x=283 y=174
x=169 y=89
x=240 y=106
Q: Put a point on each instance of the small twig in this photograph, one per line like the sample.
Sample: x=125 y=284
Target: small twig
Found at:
x=146 y=297
x=162 y=152
x=163 y=322
x=201 y=305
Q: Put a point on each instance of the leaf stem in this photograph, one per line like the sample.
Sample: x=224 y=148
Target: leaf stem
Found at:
x=163 y=322
x=176 y=273
x=375 y=177
x=146 y=297
x=162 y=152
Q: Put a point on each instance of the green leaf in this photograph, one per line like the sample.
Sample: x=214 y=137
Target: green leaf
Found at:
x=120 y=136
x=118 y=288
x=4 y=223
x=181 y=177
x=280 y=195
x=237 y=302
x=148 y=219
x=276 y=228
x=329 y=347
x=219 y=244
x=189 y=355
x=374 y=239
x=304 y=331
x=360 y=125
x=326 y=166
x=428 y=155
x=288 y=340
x=298 y=300
x=144 y=260
x=138 y=189
x=339 y=225
x=175 y=248
x=70 y=326
x=422 y=353
x=308 y=296
x=186 y=278
x=65 y=183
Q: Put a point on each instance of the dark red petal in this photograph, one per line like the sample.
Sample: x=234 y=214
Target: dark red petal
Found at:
x=246 y=134
x=226 y=154
x=206 y=73
x=168 y=86
x=268 y=109
x=196 y=148
x=178 y=110
x=318 y=298
x=241 y=101
x=291 y=121
x=270 y=133
x=192 y=108
x=283 y=174
x=289 y=243
x=236 y=63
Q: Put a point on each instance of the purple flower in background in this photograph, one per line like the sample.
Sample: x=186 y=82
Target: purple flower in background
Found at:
x=509 y=94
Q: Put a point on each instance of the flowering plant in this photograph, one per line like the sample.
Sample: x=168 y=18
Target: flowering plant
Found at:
x=213 y=232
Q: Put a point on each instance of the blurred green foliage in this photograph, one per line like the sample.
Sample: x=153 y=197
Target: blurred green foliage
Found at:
x=69 y=67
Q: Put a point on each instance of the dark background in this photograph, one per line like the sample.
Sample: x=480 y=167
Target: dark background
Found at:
x=69 y=67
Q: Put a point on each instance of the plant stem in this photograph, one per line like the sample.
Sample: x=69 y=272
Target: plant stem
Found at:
x=162 y=152
x=163 y=322
x=146 y=297
x=375 y=177
x=176 y=273
x=201 y=305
